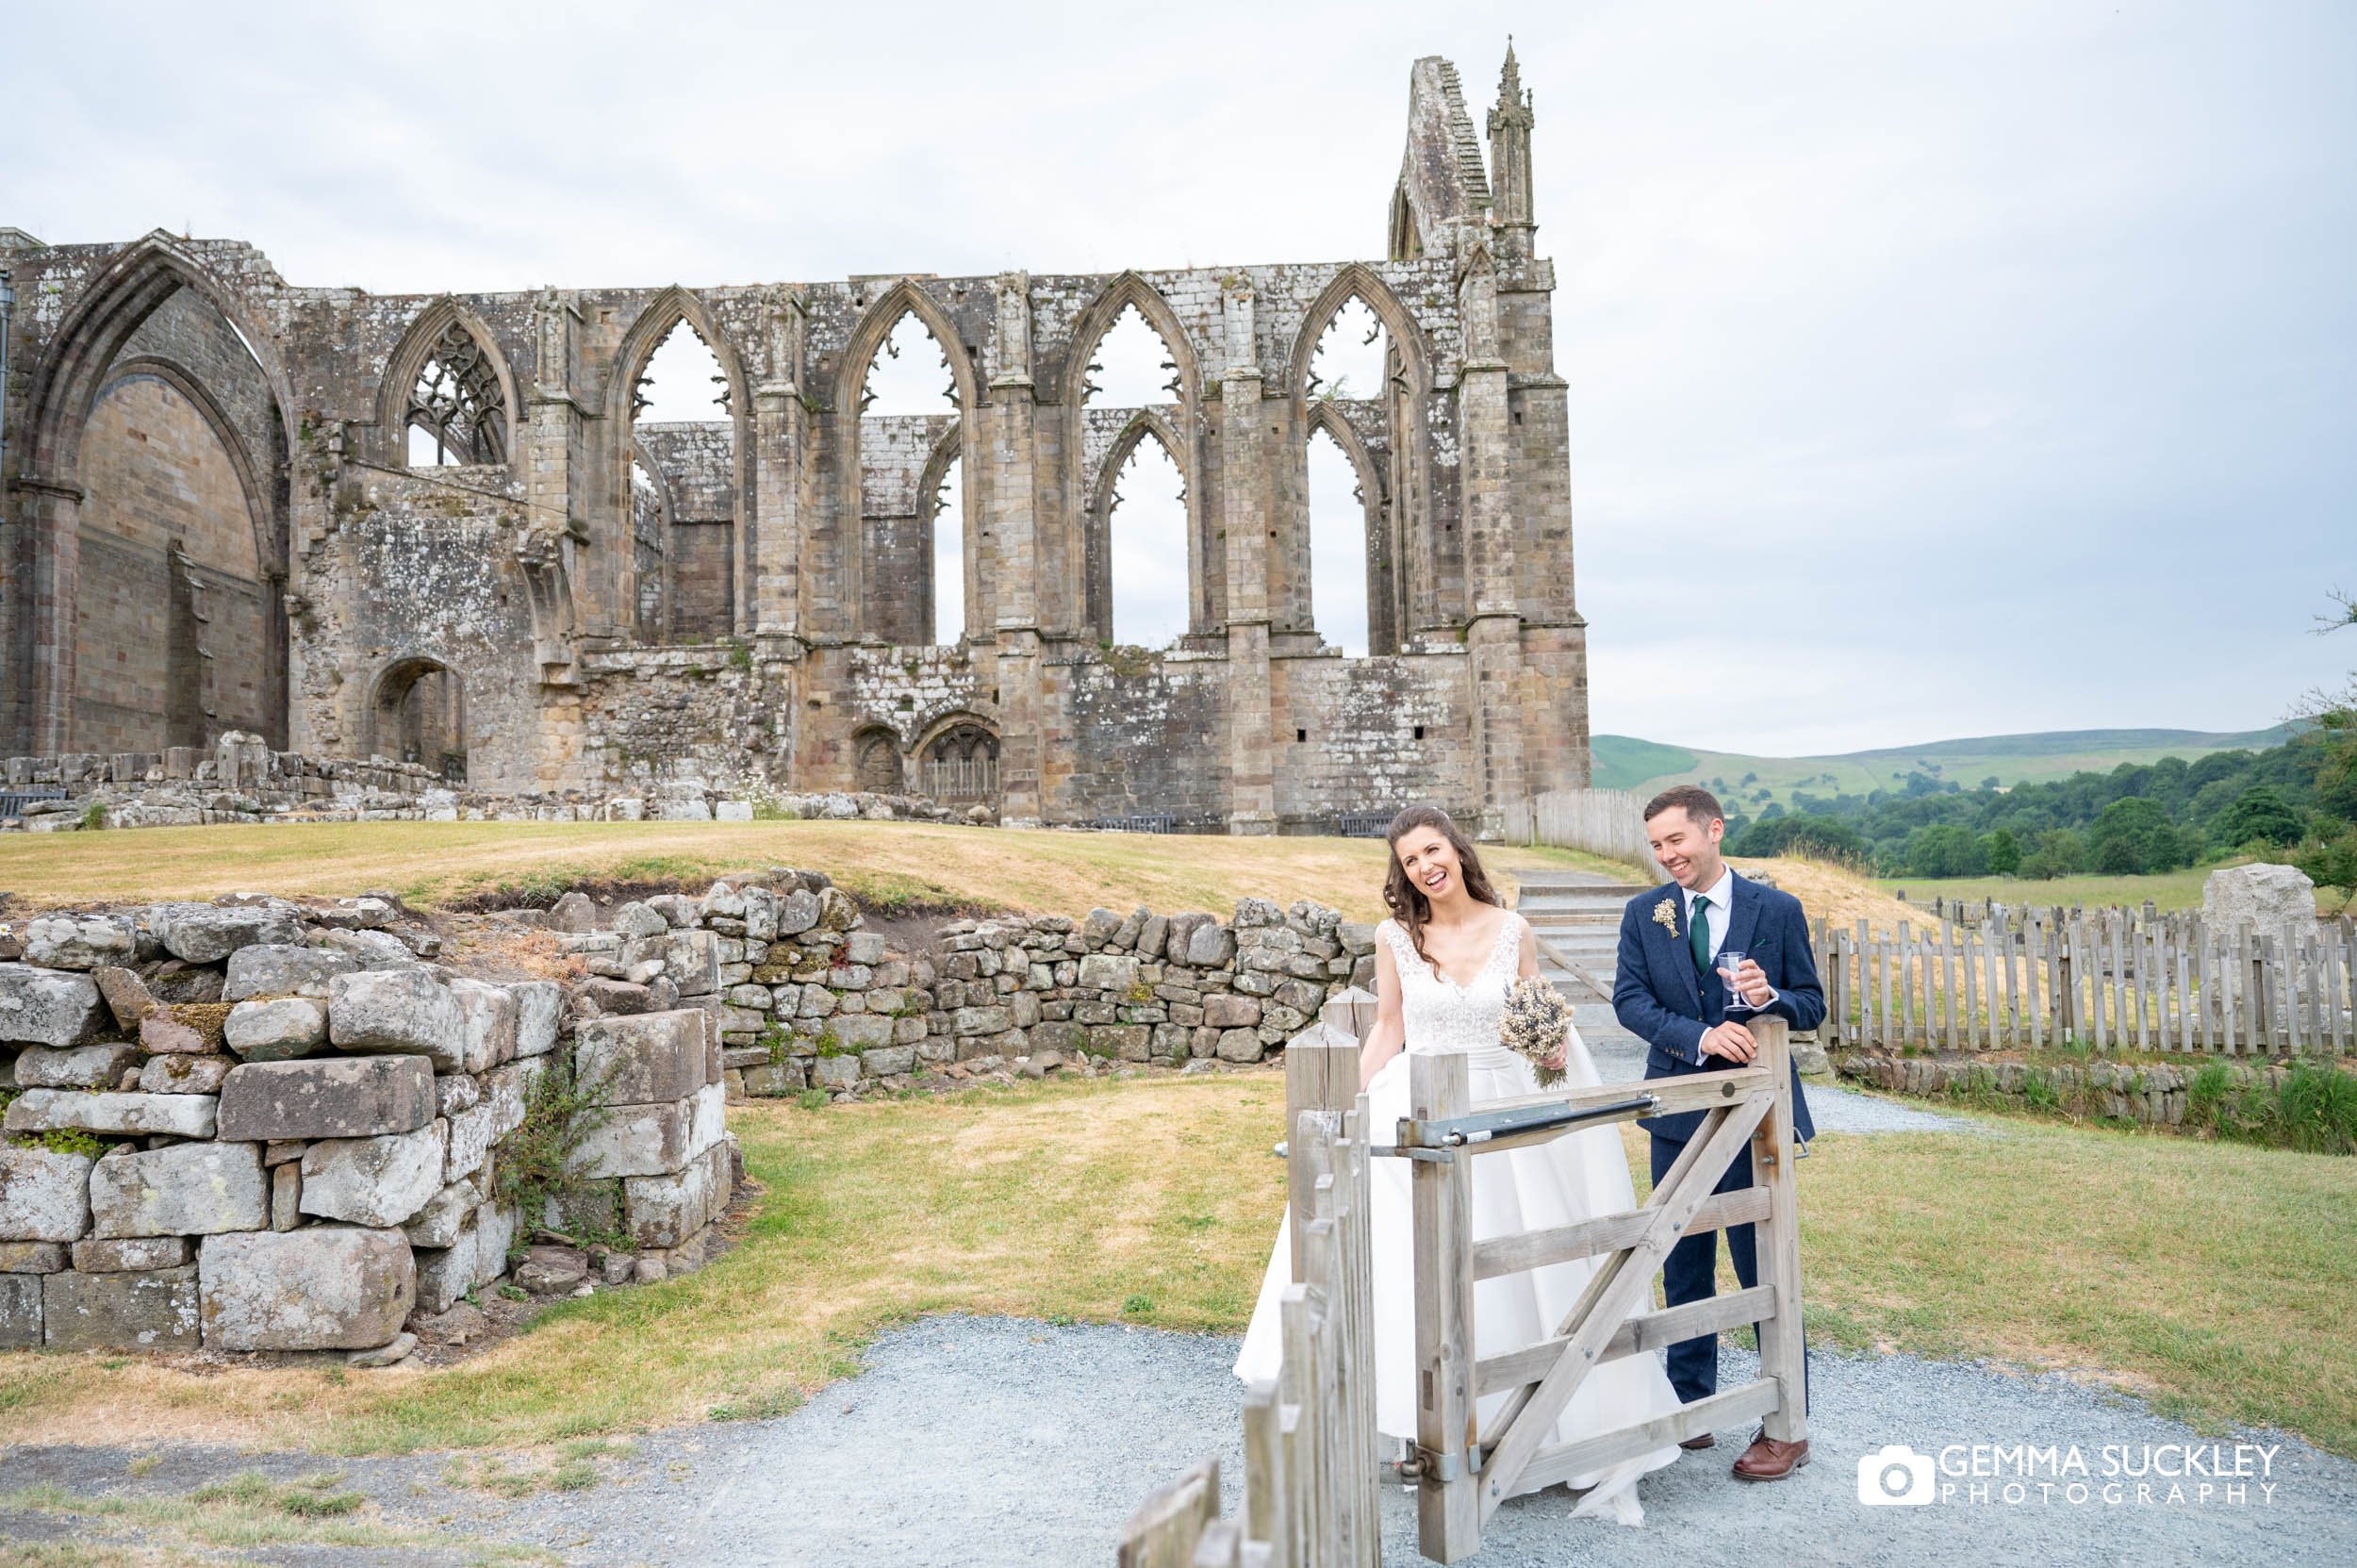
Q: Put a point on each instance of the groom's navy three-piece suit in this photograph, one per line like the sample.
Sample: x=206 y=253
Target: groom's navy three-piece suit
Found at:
x=1661 y=996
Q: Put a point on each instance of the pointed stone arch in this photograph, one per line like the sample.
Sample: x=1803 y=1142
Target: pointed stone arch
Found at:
x=1086 y=493
x=667 y=310
x=1375 y=501
x=1412 y=548
x=902 y=298
x=76 y=367
x=1097 y=551
x=409 y=361
x=949 y=449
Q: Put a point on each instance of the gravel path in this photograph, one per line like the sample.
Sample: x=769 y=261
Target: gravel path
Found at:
x=980 y=1443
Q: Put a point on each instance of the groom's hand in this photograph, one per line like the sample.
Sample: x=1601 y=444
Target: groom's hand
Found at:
x=1730 y=1040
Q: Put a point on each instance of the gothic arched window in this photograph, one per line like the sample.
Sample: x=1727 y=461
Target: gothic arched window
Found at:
x=458 y=413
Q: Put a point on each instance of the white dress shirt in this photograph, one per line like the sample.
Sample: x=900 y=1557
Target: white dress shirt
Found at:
x=1718 y=913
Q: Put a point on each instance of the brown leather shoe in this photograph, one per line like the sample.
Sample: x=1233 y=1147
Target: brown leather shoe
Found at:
x=1767 y=1460
x=1699 y=1441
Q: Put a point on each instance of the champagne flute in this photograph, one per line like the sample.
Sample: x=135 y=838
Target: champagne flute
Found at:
x=1728 y=962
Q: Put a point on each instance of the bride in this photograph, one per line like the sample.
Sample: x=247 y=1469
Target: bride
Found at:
x=1443 y=964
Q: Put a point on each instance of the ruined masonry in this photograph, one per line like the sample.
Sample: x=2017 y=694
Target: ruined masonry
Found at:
x=252 y=1125
x=356 y=526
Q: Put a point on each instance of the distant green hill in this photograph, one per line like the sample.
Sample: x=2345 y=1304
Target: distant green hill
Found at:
x=1747 y=784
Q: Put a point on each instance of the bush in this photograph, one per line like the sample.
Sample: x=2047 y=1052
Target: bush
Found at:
x=2332 y=864
x=1945 y=850
x=2134 y=835
x=2002 y=851
x=534 y=1162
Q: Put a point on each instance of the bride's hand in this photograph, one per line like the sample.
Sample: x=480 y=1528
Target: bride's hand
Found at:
x=1557 y=1060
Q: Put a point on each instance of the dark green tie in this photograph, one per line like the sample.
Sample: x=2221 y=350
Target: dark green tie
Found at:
x=1698 y=934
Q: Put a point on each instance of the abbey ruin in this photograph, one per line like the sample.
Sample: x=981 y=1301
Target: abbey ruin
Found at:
x=434 y=529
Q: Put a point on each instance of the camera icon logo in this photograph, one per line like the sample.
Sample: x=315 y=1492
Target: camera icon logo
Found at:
x=1894 y=1474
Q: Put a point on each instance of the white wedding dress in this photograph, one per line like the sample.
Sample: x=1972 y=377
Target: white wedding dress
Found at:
x=1568 y=1179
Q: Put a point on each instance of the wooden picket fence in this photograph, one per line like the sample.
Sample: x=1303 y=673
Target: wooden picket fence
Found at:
x=1607 y=822
x=1310 y=1498
x=2105 y=979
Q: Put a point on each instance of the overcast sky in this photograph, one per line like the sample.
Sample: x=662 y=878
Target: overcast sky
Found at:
x=1935 y=369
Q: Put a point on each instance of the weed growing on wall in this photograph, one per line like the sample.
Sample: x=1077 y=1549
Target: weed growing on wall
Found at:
x=535 y=1163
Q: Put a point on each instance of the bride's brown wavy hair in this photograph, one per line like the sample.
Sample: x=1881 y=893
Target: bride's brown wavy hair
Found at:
x=1406 y=901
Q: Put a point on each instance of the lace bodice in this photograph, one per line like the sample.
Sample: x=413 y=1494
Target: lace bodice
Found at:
x=1441 y=1015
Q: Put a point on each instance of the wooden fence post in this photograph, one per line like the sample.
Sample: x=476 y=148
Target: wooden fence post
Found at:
x=1321 y=1074
x=1168 y=1525
x=1777 y=1238
x=1448 y=1505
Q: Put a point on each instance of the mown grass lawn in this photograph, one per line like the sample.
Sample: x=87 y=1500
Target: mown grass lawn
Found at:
x=886 y=864
x=2214 y=1278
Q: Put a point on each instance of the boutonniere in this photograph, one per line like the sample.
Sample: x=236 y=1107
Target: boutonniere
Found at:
x=1665 y=915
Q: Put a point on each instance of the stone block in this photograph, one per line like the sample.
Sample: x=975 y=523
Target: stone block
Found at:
x=58 y=1008
x=1125 y=1042
x=32 y=1257
x=323 y=1287
x=1240 y=1045
x=276 y=1031
x=79 y=941
x=153 y=1310
x=540 y=1009
x=981 y=1021
x=1104 y=971
x=56 y=1109
x=472 y=1134
x=1224 y=1010
x=194 y=1189
x=641 y=1140
x=356 y=1096
x=1301 y=996
x=20 y=1311
x=126 y=996
x=489 y=1014
x=444 y=1215
x=664 y=1211
x=45 y=1195
x=286 y=1195
x=643 y=1059
x=185 y=1075
x=97 y=1067
x=207 y=933
x=1210 y=946
x=865 y=1030
x=407 y=1011
x=374 y=1181
x=888 y=1059
x=834 y=1072
x=132 y=1254
x=505 y=1091
x=283 y=969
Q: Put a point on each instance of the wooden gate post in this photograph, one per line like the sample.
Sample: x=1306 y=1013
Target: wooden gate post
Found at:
x=1777 y=1238
x=1448 y=1503
x=1321 y=1074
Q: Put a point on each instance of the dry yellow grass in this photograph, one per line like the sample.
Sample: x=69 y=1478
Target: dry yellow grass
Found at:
x=1829 y=893
x=884 y=863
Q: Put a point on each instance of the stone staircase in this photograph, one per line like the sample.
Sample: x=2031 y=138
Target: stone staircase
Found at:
x=1578 y=916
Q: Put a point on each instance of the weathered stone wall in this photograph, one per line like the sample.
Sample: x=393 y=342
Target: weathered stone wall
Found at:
x=252 y=1125
x=803 y=997
x=796 y=530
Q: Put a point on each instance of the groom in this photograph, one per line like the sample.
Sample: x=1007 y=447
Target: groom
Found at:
x=1670 y=994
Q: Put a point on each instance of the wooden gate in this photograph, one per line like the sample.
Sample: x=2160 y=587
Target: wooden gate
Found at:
x=1309 y=1477
x=1465 y=1472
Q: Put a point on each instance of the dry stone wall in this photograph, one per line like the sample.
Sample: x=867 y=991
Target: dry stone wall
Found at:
x=803 y=997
